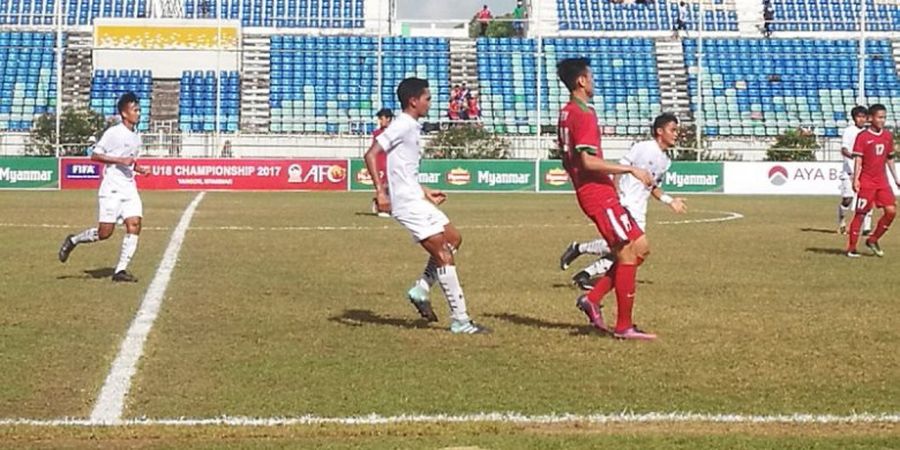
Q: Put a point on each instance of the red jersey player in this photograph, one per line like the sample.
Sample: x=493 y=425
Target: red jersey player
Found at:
x=874 y=149
x=579 y=140
x=385 y=116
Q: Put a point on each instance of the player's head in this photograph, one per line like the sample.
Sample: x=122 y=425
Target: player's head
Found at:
x=665 y=130
x=414 y=96
x=129 y=108
x=877 y=116
x=860 y=115
x=576 y=74
x=385 y=116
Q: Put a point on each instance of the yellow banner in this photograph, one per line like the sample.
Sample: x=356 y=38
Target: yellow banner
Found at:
x=165 y=37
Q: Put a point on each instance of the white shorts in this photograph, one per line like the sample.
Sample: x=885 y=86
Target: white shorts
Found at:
x=847 y=186
x=117 y=206
x=422 y=219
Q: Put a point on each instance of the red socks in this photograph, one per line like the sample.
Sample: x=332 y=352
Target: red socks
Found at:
x=602 y=286
x=882 y=227
x=625 y=280
x=855 y=225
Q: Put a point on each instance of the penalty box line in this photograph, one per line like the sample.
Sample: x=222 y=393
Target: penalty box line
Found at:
x=111 y=401
x=496 y=417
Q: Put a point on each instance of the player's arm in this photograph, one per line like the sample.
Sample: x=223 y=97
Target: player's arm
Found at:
x=857 y=162
x=677 y=204
x=594 y=164
x=100 y=155
x=847 y=145
x=381 y=197
x=892 y=167
x=435 y=196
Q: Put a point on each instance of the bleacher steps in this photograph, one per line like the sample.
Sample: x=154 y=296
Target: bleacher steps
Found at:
x=255 y=86
x=77 y=70
x=673 y=85
x=464 y=63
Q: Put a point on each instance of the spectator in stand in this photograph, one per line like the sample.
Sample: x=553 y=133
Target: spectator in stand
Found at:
x=473 y=111
x=453 y=111
x=454 y=93
x=484 y=19
x=681 y=20
x=519 y=14
x=768 y=17
x=463 y=93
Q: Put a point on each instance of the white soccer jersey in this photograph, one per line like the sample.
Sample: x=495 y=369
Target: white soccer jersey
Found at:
x=118 y=141
x=633 y=194
x=401 y=142
x=847 y=142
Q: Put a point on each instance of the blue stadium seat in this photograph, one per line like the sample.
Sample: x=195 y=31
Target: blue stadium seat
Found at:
x=108 y=85
x=197 y=101
x=27 y=78
x=605 y=15
x=834 y=15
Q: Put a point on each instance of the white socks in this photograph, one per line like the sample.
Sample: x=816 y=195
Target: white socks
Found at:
x=867 y=222
x=86 y=236
x=449 y=282
x=596 y=247
x=129 y=246
x=598 y=267
x=842 y=212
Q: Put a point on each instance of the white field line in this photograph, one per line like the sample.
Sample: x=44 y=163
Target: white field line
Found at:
x=725 y=217
x=111 y=401
x=496 y=417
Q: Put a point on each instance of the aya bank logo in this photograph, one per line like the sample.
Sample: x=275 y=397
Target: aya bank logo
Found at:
x=778 y=175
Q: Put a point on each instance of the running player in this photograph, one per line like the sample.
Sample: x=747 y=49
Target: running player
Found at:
x=648 y=155
x=118 y=195
x=414 y=206
x=384 y=116
x=874 y=149
x=859 y=115
x=579 y=142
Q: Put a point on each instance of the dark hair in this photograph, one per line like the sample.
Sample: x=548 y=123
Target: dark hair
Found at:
x=126 y=99
x=410 y=88
x=568 y=71
x=661 y=121
x=385 y=112
x=875 y=108
x=859 y=111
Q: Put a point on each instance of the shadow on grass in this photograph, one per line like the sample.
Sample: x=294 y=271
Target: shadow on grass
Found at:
x=360 y=317
x=574 y=330
x=97 y=274
x=826 y=251
x=818 y=230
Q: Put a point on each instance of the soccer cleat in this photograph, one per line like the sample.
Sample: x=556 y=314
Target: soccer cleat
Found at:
x=593 y=313
x=66 y=248
x=419 y=298
x=583 y=280
x=852 y=254
x=468 y=327
x=876 y=249
x=635 y=334
x=842 y=228
x=570 y=254
x=378 y=213
x=124 y=277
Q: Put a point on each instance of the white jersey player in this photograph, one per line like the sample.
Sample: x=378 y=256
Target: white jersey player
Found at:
x=648 y=155
x=859 y=115
x=415 y=206
x=118 y=195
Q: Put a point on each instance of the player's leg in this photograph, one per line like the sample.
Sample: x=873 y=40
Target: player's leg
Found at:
x=864 y=202
x=585 y=277
x=108 y=207
x=846 y=204
x=418 y=293
x=132 y=210
x=597 y=247
x=885 y=199
x=628 y=258
x=867 y=224
x=441 y=251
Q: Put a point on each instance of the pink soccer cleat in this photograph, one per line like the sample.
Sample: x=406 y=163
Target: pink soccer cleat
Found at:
x=635 y=334
x=592 y=312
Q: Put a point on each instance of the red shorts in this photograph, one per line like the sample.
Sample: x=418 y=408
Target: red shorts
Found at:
x=874 y=197
x=613 y=221
x=381 y=165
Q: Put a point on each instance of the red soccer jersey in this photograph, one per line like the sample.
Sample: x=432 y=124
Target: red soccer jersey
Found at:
x=578 y=132
x=380 y=158
x=875 y=149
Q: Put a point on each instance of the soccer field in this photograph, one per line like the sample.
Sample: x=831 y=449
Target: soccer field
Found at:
x=287 y=305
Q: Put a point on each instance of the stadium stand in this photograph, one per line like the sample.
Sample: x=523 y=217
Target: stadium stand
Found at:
x=330 y=85
x=197 y=101
x=108 y=85
x=834 y=15
x=760 y=87
x=626 y=87
x=605 y=15
x=27 y=78
x=282 y=13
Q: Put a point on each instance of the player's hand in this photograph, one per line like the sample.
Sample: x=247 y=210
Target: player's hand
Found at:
x=435 y=196
x=383 y=202
x=679 y=205
x=643 y=176
x=143 y=170
x=855 y=185
x=127 y=161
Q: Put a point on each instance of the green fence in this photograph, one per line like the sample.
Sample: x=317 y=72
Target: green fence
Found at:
x=29 y=173
x=461 y=175
x=681 y=177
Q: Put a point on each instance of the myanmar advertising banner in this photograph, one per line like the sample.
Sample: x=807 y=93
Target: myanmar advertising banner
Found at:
x=28 y=173
x=681 y=177
x=460 y=175
x=218 y=174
